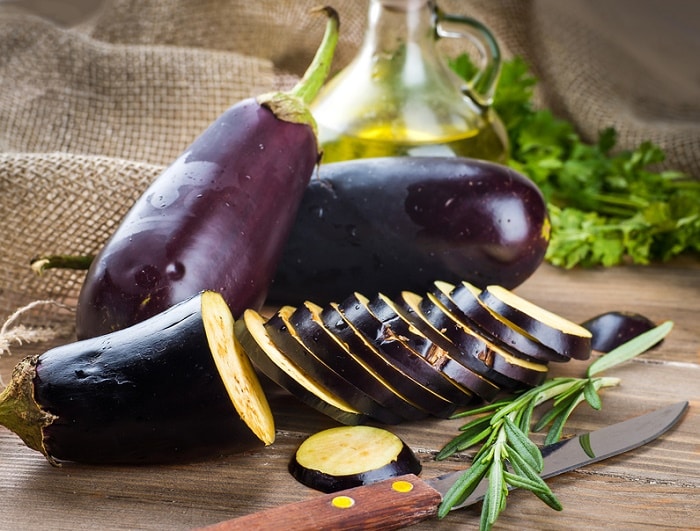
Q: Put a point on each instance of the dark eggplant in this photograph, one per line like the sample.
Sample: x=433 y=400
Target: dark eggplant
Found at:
x=285 y=336
x=177 y=385
x=464 y=303
x=482 y=355
x=218 y=217
x=350 y=456
x=409 y=383
x=398 y=353
x=400 y=223
x=310 y=328
x=275 y=365
x=612 y=329
x=442 y=354
x=561 y=335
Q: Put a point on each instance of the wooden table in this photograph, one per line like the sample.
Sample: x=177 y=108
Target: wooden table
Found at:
x=654 y=487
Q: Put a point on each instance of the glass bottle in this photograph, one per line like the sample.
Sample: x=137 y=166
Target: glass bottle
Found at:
x=398 y=96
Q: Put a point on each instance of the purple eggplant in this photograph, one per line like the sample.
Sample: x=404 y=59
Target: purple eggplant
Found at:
x=394 y=224
x=175 y=386
x=218 y=217
x=612 y=329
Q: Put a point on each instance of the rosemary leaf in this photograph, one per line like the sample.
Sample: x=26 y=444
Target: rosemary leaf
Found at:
x=630 y=349
x=522 y=445
x=590 y=393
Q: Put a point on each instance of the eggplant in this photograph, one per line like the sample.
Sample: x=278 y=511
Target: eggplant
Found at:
x=175 y=386
x=308 y=324
x=409 y=383
x=218 y=217
x=350 y=456
x=462 y=369
x=285 y=336
x=399 y=223
x=487 y=358
x=250 y=330
x=464 y=302
x=355 y=309
x=561 y=335
x=612 y=329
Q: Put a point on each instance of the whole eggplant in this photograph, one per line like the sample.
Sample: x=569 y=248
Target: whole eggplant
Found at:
x=172 y=387
x=400 y=223
x=218 y=217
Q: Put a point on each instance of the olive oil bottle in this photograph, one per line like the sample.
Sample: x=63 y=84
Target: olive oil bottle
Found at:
x=398 y=96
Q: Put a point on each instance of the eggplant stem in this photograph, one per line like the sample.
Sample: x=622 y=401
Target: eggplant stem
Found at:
x=293 y=106
x=310 y=84
x=77 y=262
x=19 y=411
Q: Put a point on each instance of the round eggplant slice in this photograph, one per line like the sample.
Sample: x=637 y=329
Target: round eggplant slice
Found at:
x=251 y=333
x=565 y=337
x=288 y=340
x=612 y=329
x=355 y=309
x=443 y=354
x=503 y=368
x=467 y=307
x=350 y=456
x=309 y=326
x=406 y=381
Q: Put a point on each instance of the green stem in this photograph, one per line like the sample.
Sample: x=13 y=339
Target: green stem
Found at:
x=61 y=261
x=309 y=85
x=293 y=106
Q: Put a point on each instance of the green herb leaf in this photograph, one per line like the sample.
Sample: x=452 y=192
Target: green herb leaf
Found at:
x=630 y=349
x=503 y=429
x=522 y=444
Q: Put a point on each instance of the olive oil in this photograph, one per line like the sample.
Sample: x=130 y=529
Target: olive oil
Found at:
x=385 y=141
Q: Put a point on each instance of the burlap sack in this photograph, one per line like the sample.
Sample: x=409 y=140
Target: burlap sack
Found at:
x=96 y=96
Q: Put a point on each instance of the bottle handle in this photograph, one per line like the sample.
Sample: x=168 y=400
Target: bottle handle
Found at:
x=482 y=85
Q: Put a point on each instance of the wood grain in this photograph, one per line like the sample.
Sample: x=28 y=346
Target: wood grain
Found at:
x=654 y=487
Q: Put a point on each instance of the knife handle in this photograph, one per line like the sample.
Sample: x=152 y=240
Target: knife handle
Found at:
x=389 y=504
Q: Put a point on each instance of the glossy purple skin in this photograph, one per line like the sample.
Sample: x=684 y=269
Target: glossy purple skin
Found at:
x=392 y=224
x=216 y=219
x=612 y=329
x=150 y=393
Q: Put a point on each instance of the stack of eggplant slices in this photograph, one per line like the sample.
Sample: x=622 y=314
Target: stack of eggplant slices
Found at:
x=408 y=358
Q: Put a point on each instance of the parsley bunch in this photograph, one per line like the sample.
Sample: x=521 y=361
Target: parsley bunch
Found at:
x=607 y=206
x=506 y=456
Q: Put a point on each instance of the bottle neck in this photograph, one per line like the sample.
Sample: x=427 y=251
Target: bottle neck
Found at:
x=396 y=24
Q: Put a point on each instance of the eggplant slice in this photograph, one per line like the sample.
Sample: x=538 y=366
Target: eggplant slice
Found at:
x=350 y=456
x=308 y=358
x=254 y=338
x=563 y=336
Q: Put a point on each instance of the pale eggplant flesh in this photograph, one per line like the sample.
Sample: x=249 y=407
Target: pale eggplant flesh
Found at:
x=350 y=456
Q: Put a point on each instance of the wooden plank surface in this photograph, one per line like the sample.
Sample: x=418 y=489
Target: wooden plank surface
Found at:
x=655 y=487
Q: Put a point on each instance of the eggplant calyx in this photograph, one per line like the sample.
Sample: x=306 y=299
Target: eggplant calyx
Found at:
x=19 y=411
x=292 y=106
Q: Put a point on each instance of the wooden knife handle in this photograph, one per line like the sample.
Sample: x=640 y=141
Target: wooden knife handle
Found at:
x=389 y=504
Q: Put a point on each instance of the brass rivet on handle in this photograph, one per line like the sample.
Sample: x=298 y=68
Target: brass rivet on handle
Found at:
x=402 y=486
x=342 y=502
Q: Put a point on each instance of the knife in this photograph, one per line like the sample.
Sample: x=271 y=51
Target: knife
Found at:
x=405 y=500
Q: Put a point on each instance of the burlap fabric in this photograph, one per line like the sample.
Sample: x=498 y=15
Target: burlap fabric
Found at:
x=93 y=102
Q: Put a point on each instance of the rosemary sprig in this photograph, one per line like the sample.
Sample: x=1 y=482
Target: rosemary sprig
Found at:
x=507 y=457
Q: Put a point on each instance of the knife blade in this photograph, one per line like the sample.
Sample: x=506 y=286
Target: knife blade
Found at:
x=405 y=500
